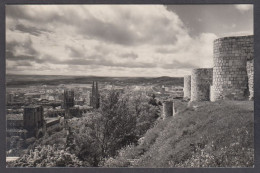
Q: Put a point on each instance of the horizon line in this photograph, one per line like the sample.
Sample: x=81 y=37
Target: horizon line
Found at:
x=92 y=75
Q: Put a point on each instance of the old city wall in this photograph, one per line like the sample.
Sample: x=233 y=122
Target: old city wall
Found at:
x=201 y=79
x=250 y=74
x=232 y=62
x=187 y=87
x=167 y=109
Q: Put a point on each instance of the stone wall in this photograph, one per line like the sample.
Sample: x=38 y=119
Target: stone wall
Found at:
x=230 y=79
x=187 y=87
x=201 y=79
x=167 y=109
x=250 y=74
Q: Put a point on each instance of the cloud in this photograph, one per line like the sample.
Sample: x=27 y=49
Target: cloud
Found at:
x=130 y=55
x=75 y=52
x=17 y=51
x=104 y=62
x=243 y=8
x=25 y=47
x=103 y=40
x=10 y=56
x=178 y=65
x=28 y=29
x=126 y=25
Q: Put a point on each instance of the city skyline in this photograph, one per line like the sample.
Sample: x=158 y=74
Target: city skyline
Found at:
x=118 y=40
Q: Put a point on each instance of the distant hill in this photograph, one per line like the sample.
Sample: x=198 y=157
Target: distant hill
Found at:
x=25 y=80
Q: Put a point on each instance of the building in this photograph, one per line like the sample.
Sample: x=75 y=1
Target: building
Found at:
x=10 y=98
x=33 y=119
x=95 y=97
x=53 y=124
x=14 y=121
x=68 y=100
x=74 y=112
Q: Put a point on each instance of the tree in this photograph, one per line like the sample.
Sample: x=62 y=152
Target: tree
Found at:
x=153 y=101
x=48 y=156
x=120 y=121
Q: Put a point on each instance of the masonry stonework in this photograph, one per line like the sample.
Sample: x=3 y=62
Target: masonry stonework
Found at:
x=167 y=109
x=230 y=80
x=250 y=74
x=201 y=79
x=187 y=87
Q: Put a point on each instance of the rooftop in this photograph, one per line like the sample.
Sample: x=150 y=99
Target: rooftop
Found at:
x=11 y=159
x=49 y=120
x=14 y=117
x=32 y=106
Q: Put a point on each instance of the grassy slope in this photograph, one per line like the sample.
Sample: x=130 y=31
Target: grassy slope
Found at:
x=204 y=134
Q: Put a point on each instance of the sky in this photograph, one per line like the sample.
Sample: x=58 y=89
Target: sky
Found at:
x=118 y=40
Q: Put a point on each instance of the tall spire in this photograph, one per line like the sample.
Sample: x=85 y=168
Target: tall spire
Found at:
x=97 y=96
x=92 y=101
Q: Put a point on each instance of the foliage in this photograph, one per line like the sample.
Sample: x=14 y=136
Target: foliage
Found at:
x=14 y=145
x=123 y=158
x=48 y=156
x=120 y=121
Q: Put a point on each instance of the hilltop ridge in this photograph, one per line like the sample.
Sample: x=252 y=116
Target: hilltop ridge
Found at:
x=21 y=80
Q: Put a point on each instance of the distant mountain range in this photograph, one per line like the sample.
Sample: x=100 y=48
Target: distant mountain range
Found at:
x=26 y=80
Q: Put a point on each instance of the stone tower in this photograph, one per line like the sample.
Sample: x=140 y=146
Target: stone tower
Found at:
x=68 y=99
x=68 y=102
x=167 y=109
x=33 y=119
x=250 y=74
x=232 y=56
x=201 y=79
x=95 y=98
x=187 y=87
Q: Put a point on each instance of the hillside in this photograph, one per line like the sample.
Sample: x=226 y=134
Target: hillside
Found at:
x=26 y=80
x=202 y=134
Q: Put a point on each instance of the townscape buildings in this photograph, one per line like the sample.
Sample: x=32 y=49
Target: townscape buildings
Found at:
x=37 y=110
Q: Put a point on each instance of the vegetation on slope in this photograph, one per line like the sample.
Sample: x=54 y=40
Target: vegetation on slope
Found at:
x=202 y=134
x=120 y=121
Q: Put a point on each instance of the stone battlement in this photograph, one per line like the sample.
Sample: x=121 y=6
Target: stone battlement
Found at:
x=201 y=79
x=231 y=78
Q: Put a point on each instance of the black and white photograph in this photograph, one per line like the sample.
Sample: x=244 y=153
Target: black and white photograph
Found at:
x=132 y=86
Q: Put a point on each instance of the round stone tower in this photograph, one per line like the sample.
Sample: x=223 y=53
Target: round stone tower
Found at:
x=167 y=109
x=187 y=86
x=201 y=79
x=230 y=80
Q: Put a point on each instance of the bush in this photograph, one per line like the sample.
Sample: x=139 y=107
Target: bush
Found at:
x=47 y=156
x=120 y=121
